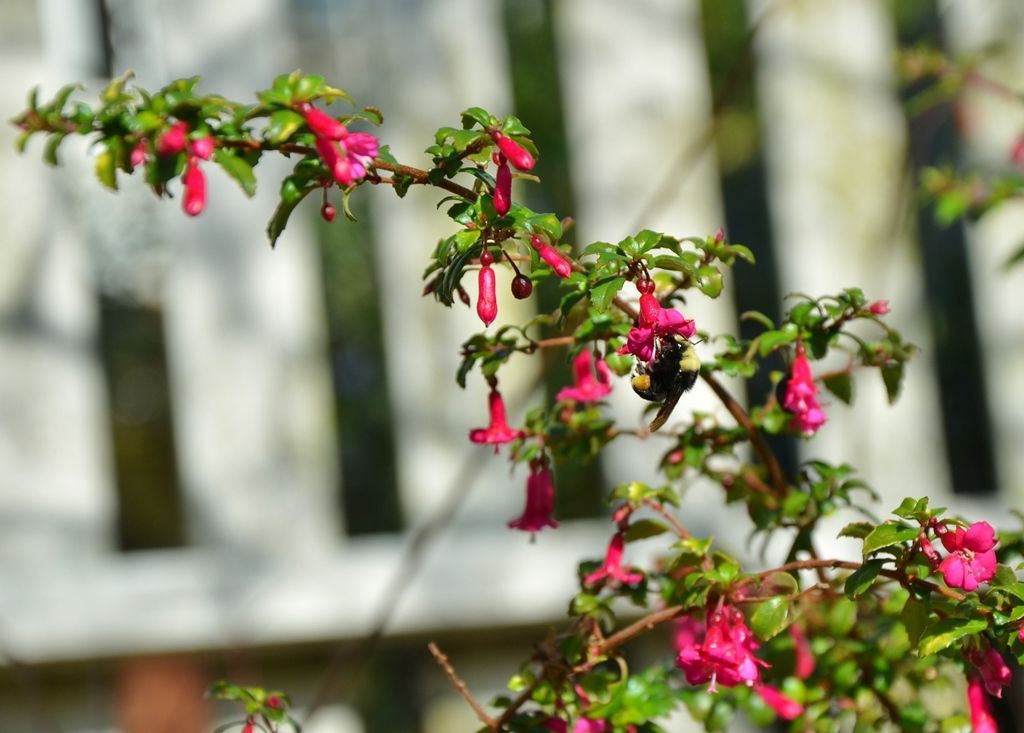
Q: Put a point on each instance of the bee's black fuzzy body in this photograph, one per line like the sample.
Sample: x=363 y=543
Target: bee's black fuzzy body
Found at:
x=672 y=371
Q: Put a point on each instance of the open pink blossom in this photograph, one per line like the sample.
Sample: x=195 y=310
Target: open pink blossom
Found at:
x=498 y=431
x=612 y=566
x=653 y=321
x=587 y=387
x=786 y=707
x=971 y=559
x=361 y=148
x=540 y=501
x=992 y=668
x=640 y=343
x=982 y=720
x=725 y=655
x=801 y=397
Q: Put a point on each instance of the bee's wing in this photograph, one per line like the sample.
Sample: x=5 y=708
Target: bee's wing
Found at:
x=667 y=406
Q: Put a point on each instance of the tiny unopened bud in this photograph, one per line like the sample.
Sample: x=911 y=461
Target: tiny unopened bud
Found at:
x=719 y=236
x=879 y=307
x=195 y=189
x=173 y=141
x=522 y=287
x=273 y=701
x=503 y=190
x=139 y=153
x=486 y=258
x=518 y=155
x=328 y=212
x=203 y=147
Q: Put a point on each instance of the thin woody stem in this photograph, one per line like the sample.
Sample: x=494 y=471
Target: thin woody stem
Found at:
x=442 y=660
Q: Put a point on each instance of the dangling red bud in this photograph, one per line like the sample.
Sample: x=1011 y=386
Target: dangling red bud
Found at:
x=552 y=256
x=328 y=212
x=195 y=189
x=522 y=286
x=503 y=189
x=173 y=141
x=487 y=300
x=518 y=155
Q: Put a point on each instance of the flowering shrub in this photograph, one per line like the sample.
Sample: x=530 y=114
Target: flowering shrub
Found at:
x=866 y=642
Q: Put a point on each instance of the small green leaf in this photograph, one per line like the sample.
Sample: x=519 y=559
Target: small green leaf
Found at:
x=771 y=340
x=106 y=168
x=644 y=528
x=862 y=578
x=602 y=295
x=842 y=615
x=769 y=618
x=478 y=115
x=759 y=317
x=282 y=125
x=50 y=150
x=857 y=530
x=841 y=385
x=892 y=375
x=941 y=634
x=709 y=280
x=238 y=168
x=889 y=534
x=284 y=209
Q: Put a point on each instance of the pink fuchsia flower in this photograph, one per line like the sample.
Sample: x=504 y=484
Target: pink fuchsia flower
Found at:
x=498 y=431
x=587 y=388
x=982 y=720
x=202 y=148
x=653 y=321
x=173 y=141
x=971 y=559
x=558 y=263
x=640 y=342
x=803 y=659
x=801 y=397
x=878 y=308
x=195 y=189
x=361 y=148
x=786 y=707
x=321 y=123
x=487 y=298
x=612 y=566
x=540 y=501
x=503 y=187
x=518 y=155
x=992 y=668
x=586 y=725
x=725 y=655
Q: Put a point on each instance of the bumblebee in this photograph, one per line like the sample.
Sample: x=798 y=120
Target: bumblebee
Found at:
x=671 y=371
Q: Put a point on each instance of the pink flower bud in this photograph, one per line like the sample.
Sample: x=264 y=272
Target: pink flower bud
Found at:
x=785 y=707
x=195 y=189
x=1017 y=151
x=139 y=153
x=328 y=212
x=173 y=141
x=549 y=254
x=321 y=123
x=719 y=236
x=503 y=190
x=879 y=307
x=250 y=726
x=273 y=701
x=516 y=153
x=487 y=300
x=203 y=147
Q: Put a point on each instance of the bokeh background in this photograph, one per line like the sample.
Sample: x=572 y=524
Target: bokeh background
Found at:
x=222 y=460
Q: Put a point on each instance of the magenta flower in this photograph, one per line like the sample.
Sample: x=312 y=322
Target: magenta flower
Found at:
x=786 y=707
x=640 y=342
x=503 y=187
x=587 y=388
x=879 y=307
x=498 y=431
x=540 y=501
x=558 y=263
x=518 y=155
x=726 y=654
x=173 y=141
x=612 y=566
x=803 y=659
x=971 y=559
x=981 y=710
x=348 y=158
x=321 y=123
x=802 y=396
x=195 y=189
x=487 y=299
x=654 y=321
x=992 y=668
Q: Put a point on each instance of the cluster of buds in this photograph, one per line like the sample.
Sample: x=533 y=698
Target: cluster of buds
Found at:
x=508 y=151
x=522 y=286
x=174 y=141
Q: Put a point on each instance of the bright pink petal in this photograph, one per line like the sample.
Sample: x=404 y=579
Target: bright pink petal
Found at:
x=980 y=537
x=787 y=708
x=953 y=571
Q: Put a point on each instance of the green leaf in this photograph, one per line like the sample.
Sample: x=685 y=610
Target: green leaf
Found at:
x=941 y=634
x=842 y=615
x=106 y=168
x=862 y=578
x=602 y=294
x=892 y=375
x=644 y=528
x=709 y=281
x=759 y=317
x=50 y=150
x=888 y=534
x=284 y=209
x=282 y=125
x=857 y=530
x=769 y=618
x=478 y=115
x=238 y=168
x=841 y=385
x=771 y=340
x=115 y=89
